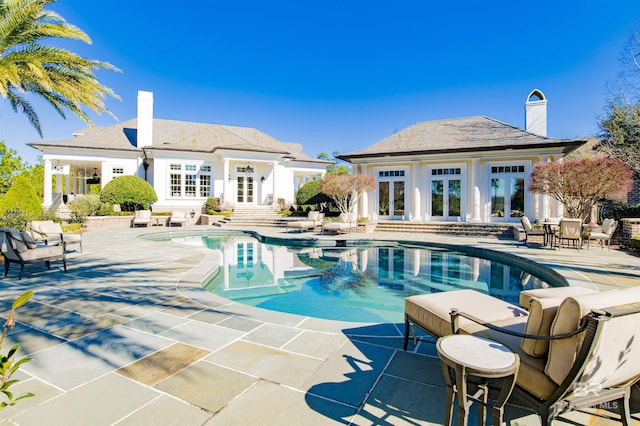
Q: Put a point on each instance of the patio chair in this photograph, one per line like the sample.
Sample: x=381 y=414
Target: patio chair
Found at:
x=50 y=233
x=178 y=217
x=570 y=230
x=607 y=230
x=19 y=247
x=142 y=218
x=529 y=231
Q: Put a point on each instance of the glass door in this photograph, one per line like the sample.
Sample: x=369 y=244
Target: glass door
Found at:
x=446 y=194
x=245 y=185
x=391 y=199
x=507 y=193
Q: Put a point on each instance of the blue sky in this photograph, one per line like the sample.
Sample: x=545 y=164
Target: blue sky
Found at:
x=339 y=74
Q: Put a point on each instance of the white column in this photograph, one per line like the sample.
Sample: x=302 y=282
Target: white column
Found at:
x=364 y=198
x=474 y=174
x=48 y=189
x=59 y=184
x=67 y=183
x=416 y=179
x=226 y=197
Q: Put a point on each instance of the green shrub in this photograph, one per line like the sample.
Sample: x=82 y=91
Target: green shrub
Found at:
x=309 y=193
x=131 y=192
x=619 y=211
x=634 y=243
x=82 y=206
x=20 y=204
x=212 y=205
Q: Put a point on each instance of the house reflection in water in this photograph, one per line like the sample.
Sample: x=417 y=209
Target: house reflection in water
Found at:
x=253 y=272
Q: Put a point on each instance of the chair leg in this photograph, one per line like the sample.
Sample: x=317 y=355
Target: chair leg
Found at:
x=407 y=326
x=6 y=266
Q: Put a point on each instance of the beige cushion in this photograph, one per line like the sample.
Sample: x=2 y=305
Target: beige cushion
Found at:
x=43 y=253
x=28 y=240
x=563 y=352
x=607 y=224
x=431 y=311
x=538 y=293
x=50 y=227
x=313 y=215
x=541 y=315
x=17 y=241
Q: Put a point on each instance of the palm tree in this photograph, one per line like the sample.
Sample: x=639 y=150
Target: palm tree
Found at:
x=27 y=66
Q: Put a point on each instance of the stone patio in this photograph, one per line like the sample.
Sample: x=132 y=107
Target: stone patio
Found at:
x=129 y=337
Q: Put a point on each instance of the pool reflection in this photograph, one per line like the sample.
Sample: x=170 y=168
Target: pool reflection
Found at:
x=352 y=284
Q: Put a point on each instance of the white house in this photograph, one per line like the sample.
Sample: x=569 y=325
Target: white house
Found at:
x=185 y=162
x=473 y=169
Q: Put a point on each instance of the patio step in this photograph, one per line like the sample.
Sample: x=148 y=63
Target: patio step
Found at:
x=254 y=216
x=502 y=231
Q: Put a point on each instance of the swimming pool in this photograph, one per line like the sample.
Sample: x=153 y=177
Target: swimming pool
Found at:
x=363 y=283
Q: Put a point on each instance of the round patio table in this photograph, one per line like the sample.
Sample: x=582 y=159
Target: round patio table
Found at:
x=462 y=356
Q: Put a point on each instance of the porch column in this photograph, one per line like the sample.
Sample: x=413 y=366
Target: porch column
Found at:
x=546 y=209
x=225 y=182
x=274 y=199
x=475 y=190
x=364 y=198
x=416 y=176
x=48 y=189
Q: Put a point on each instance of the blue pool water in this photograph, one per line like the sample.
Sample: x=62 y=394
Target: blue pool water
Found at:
x=360 y=284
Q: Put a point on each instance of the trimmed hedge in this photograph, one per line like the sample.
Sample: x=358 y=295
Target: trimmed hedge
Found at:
x=131 y=192
x=635 y=243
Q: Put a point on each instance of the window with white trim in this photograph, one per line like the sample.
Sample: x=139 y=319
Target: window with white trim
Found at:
x=117 y=171
x=189 y=180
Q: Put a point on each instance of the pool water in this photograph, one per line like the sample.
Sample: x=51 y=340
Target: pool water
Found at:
x=360 y=284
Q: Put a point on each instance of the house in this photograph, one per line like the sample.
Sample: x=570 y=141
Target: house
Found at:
x=473 y=169
x=185 y=162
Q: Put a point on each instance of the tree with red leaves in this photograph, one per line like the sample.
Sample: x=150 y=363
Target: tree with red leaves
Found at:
x=345 y=190
x=580 y=184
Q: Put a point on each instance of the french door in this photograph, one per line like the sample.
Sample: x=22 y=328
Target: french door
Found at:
x=446 y=194
x=244 y=185
x=391 y=199
x=507 y=193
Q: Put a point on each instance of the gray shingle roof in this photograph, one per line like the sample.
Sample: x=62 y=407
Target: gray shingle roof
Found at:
x=455 y=135
x=178 y=135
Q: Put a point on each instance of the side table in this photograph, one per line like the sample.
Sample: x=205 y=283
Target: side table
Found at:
x=462 y=356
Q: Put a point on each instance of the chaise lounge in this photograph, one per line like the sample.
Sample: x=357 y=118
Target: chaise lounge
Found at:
x=314 y=219
x=576 y=346
x=19 y=247
x=346 y=222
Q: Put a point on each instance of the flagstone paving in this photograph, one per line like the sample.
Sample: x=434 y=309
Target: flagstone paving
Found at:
x=129 y=337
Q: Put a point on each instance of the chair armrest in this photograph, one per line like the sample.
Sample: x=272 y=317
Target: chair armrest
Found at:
x=455 y=313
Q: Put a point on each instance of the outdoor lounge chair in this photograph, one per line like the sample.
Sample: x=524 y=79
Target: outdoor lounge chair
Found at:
x=178 y=217
x=529 y=231
x=607 y=230
x=575 y=351
x=141 y=218
x=570 y=230
x=346 y=222
x=51 y=233
x=313 y=220
x=19 y=247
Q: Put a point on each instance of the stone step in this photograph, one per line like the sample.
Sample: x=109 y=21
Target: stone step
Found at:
x=455 y=229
